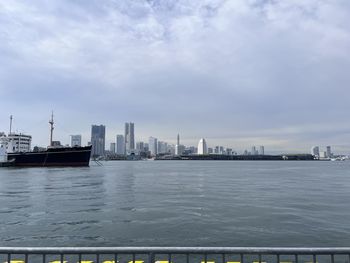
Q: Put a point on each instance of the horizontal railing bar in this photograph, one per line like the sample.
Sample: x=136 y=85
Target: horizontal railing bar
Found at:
x=176 y=250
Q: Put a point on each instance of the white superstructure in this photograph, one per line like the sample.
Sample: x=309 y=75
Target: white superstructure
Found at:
x=16 y=142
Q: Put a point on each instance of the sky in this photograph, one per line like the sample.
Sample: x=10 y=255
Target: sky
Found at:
x=236 y=72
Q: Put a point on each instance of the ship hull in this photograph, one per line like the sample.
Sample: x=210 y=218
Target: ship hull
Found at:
x=54 y=157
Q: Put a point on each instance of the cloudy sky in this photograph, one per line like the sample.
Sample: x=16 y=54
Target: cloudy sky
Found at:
x=236 y=72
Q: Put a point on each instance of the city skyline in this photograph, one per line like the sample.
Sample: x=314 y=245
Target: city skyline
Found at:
x=238 y=73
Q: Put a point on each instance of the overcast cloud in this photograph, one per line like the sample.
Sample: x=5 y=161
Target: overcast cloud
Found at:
x=236 y=72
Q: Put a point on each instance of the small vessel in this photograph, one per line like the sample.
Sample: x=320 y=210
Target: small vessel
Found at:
x=12 y=154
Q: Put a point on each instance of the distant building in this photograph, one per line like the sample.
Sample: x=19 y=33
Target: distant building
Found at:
x=120 y=145
x=210 y=150
x=323 y=154
x=216 y=150
x=140 y=147
x=179 y=149
x=129 y=137
x=261 y=150
x=329 y=151
x=98 y=138
x=228 y=151
x=162 y=147
x=112 y=147
x=202 y=147
x=153 y=145
x=315 y=151
x=75 y=140
x=254 y=151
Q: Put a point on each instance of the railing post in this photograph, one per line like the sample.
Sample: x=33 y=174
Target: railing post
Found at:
x=151 y=257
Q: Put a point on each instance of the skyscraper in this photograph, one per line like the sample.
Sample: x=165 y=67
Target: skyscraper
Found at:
x=202 y=147
x=98 y=138
x=129 y=137
x=254 y=151
x=179 y=149
x=315 y=151
x=153 y=145
x=75 y=140
x=261 y=150
x=120 y=145
x=329 y=151
x=112 y=147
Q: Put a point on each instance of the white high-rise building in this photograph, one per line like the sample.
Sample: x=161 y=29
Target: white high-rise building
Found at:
x=315 y=151
x=129 y=137
x=75 y=140
x=112 y=147
x=202 y=146
x=120 y=145
x=153 y=145
x=254 y=151
x=329 y=151
x=261 y=150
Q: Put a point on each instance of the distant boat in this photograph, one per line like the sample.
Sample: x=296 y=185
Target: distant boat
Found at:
x=54 y=155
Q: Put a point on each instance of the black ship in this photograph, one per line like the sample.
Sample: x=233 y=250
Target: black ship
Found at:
x=64 y=156
x=52 y=156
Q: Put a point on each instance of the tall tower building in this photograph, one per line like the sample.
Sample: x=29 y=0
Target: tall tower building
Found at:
x=315 y=151
x=253 y=152
x=112 y=147
x=261 y=150
x=129 y=137
x=153 y=145
x=120 y=145
x=98 y=138
x=202 y=147
x=179 y=149
x=329 y=151
x=75 y=140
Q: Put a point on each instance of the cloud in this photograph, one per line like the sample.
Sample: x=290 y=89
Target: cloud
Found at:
x=227 y=70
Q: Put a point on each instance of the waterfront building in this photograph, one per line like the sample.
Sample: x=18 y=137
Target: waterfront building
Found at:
x=228 y=151
x=329 y=151
x=120 y=145
x=75 y=140
x=140 y=147
x=254 y=151
x=216 y=150
x=112 y=147
x=315 y=151
x=202 y=147
x=323 y=154
x=179 y=149
x=98 y=138
x=129 y=137
x=162 y=147
x=221 y=150
x=153 y=145
x=261 y=150
x=171 y=149
x=210 y=150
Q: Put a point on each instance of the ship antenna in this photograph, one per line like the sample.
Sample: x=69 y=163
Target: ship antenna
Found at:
x=11 y=124
x=51 y=128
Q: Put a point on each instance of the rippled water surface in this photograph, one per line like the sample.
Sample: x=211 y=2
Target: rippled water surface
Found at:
x=174 y=203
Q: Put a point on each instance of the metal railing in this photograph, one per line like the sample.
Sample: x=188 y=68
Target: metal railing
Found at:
x=173 y=255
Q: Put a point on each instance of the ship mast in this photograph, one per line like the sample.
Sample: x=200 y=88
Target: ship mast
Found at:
x=51 y=128
x=10 y=124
